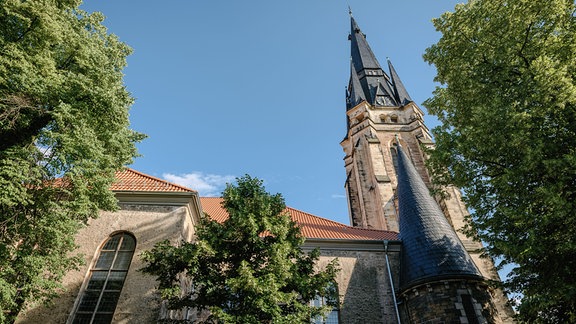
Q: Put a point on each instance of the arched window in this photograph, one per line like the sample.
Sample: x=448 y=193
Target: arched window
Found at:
x=106 y=278
x=331 y=299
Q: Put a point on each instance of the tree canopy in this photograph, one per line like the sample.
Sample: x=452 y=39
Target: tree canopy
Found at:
x=249 y=269
x=64 y=131
x=507 y=103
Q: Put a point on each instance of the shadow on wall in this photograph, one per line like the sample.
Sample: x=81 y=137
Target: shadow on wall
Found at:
x=138 y=301
x=368 y=297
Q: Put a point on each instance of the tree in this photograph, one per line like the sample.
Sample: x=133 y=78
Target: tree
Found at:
x=250 y=268
x=64 y=131
x=508 y=139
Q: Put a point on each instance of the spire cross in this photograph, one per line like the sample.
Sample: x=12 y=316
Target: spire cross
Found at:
x=349 y=11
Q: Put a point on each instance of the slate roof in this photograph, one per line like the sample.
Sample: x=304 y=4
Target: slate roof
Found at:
x=401 y=94
x=368 y=78
x=132 y=180
x=311 y=226
x=431 y=250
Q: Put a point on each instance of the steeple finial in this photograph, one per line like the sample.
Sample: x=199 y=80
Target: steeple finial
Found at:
x=350 y=11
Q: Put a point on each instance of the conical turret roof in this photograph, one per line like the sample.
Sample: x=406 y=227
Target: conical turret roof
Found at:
x=431 y=250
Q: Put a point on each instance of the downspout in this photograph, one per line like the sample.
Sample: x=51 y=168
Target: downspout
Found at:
x=391 y=282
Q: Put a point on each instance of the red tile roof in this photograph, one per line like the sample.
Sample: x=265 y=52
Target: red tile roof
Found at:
x=311 y=226
x=132 y=180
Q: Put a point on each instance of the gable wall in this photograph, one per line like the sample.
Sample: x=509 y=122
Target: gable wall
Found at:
x=138 y=301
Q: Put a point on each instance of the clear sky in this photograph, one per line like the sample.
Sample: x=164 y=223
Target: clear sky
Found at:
x=227 y=88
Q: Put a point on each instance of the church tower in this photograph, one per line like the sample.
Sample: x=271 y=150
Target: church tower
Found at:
x=377 y=107
x=442 y=276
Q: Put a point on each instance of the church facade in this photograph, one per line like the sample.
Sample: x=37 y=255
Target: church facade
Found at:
x=402 y=259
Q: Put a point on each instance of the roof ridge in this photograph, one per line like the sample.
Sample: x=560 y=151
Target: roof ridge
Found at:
x=325 y=219
x=312 y=226
x=158 y=179
x=341 y=224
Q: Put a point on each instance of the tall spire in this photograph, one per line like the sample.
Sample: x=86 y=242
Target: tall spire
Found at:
x=362 y=55
x=431 y=249
x=373 y=82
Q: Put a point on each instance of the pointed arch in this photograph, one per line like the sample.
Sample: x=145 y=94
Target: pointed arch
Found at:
x=103 y=284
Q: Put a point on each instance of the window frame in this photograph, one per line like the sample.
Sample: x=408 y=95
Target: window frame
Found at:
x=112 y=259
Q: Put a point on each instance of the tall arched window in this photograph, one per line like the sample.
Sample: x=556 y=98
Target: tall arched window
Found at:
x=100 y=296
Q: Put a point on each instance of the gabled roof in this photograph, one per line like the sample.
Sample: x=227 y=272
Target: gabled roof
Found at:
x=311 y=226
x=132 y=180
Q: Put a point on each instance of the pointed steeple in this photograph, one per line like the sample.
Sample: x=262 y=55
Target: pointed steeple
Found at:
x=362 y=55
x=373 y=82
x=431 y=250
x=401 y=94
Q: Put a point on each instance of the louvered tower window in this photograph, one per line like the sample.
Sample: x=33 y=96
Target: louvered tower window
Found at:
x=106 y=278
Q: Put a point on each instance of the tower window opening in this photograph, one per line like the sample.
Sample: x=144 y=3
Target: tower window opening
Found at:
x=393 y=119
x=468 y=306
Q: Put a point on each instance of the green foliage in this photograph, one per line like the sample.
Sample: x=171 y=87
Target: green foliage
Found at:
x=508 y=139
x=63 y=115
x=248 y=269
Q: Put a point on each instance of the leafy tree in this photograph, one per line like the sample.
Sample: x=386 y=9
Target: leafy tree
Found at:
x=508 y=139
x=248 y=269
x=64 y=130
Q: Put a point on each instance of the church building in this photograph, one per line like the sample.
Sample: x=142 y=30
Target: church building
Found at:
x=403 y=258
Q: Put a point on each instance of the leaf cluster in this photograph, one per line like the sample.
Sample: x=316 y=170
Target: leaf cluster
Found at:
x=64 y=131
x=507 y=103
x=249 y=269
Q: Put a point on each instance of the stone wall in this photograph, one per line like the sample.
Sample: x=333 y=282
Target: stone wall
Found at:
x=363 y=281
x=138 y=302
x=450 y=301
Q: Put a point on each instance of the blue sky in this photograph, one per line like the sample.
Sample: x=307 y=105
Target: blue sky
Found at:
x=227 y=88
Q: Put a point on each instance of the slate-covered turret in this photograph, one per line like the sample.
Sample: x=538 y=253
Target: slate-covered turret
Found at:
x=431 y=250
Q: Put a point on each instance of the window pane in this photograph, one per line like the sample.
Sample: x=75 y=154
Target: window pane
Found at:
x=82 y=319
x=115 y=280
x=332 y=318
x=112 y=243
x=128 y=243
x=89 y=301
x=97 y=280
x=105 y=260
x=108 y=301
x=107 y=277
x=122 y=261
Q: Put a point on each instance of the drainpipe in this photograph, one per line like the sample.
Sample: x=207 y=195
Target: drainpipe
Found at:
x=391 y=282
